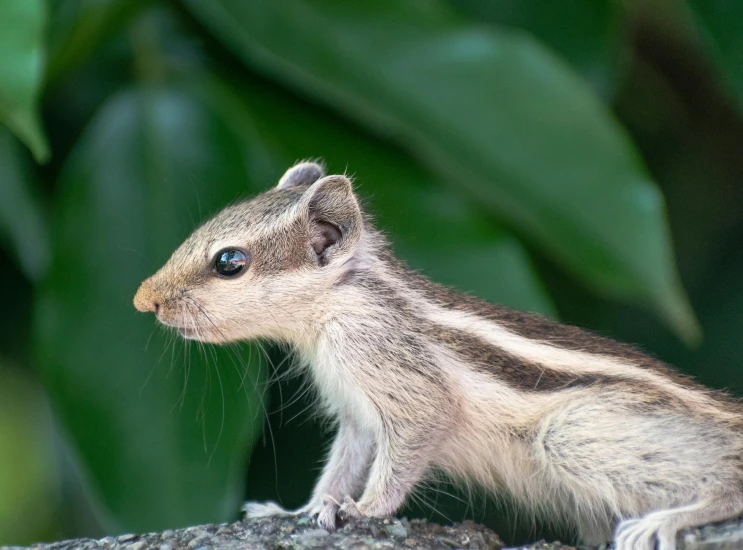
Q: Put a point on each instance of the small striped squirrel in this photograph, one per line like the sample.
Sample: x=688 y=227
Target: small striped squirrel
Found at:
x=420 y=378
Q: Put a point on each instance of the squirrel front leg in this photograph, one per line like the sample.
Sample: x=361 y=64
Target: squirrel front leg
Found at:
x=400 y=462
x=344 y=473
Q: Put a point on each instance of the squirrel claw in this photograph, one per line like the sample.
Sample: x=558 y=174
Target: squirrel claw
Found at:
x=349 y=510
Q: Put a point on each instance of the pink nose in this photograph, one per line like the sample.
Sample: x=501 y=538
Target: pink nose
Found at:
x=145 y=299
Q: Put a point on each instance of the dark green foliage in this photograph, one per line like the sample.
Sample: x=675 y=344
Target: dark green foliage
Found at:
x=519 y=150
x=721 y=27
x=21 y=71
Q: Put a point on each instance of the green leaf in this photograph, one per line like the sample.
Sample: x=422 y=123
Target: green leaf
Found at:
x=79 y=26
x=21 y=71
x=164 y=428
x=721 y=25
x=449 y=240
x=493 y=112
x=588 y=33
x=21 y=218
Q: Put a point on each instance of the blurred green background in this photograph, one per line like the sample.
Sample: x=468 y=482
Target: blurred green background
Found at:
x=580 y=158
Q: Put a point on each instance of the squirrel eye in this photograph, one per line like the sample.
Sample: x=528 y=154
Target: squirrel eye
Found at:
x=230 y=262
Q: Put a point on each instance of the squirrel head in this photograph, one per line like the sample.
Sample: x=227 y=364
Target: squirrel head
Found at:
x=261 y=267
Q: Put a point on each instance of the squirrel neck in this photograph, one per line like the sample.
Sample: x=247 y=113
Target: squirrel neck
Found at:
x=370 y=288
x=374 y=295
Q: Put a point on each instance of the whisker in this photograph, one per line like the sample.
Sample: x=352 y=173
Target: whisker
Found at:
x=202 y=415
x=273 y=374
x=234 y=356
x=300 y=413
x=187 y=372
x=416 y=496
x=154 y=366
x=152 y=333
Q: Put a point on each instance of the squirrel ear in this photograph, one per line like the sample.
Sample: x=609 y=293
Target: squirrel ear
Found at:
x=302 y=173
x=335 y=220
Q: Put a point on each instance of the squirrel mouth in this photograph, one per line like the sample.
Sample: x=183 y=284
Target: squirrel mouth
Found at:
x=190 y=333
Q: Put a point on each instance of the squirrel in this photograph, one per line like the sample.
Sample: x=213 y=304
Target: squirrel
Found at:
x=420 y=378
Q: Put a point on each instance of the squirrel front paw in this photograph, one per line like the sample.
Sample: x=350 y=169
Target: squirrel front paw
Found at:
x=349 y=510
x=327 y=514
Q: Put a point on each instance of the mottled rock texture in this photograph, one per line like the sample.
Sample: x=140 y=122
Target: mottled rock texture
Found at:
x=301 y=533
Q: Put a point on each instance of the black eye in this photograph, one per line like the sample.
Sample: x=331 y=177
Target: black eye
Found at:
x=230 y=262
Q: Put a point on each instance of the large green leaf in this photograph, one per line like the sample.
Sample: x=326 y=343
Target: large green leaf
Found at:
x=493 y=112
x=164 y=432
x=21 y=62
x=21 y=218
x=588 y=33
x=721 y=25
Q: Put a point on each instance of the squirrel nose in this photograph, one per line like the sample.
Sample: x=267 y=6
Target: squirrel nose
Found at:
x=145 y=299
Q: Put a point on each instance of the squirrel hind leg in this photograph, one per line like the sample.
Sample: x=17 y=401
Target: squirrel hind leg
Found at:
x=662 y=527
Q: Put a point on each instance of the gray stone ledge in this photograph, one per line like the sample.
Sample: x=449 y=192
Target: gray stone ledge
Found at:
x=369 y=534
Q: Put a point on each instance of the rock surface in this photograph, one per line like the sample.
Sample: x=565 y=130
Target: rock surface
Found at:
x=373 y=534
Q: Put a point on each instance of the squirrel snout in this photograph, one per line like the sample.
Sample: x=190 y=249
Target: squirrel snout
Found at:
x=145 y=299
